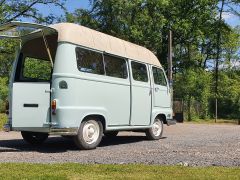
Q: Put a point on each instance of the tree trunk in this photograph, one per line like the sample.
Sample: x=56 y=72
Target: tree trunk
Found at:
x=189 y=109
x=218 y=56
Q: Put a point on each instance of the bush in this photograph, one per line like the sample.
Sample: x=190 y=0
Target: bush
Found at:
x=3 y=120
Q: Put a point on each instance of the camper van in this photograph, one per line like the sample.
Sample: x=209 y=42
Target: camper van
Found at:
x=73 y=81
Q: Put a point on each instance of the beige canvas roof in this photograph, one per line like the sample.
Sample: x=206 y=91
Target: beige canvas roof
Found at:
x=84 y=36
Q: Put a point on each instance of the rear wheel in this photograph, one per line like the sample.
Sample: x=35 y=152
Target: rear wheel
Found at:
x=155 y=132
x=111 y=134
x=89 y=134
x=34 y=138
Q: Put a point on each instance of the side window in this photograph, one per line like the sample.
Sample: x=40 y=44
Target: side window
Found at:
x=115 y=67
x=158 y=76
x=139 y=72
x=89 y=61
x=36 y=69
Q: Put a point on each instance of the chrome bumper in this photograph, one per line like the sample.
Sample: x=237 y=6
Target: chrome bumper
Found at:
x=64 y=131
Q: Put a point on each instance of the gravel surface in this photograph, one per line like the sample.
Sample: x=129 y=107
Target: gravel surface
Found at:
x=182 y=144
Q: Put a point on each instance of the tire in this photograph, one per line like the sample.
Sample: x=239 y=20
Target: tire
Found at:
x=156 y=131
x=111 y=134
x=89 y=134
x=34 y=138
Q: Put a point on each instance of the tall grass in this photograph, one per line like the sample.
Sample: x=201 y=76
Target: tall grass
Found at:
x=3 y=120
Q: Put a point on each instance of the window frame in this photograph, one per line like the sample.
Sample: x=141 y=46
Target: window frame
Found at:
x=19 y=72
x=92 y=50
x=147 y=72
x=103 y=53
x=119 y=57
x=166 y=79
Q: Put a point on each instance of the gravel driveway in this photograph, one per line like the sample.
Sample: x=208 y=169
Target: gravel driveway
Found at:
x=186 y=144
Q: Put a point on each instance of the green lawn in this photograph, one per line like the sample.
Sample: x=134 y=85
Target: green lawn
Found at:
x=78 y=171
x=212 y=121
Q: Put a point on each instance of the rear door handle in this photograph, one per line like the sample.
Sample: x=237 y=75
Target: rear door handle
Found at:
x=156 y=89
x=48 y=91
x=30 y=105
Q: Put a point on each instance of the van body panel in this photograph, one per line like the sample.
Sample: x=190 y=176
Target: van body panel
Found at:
x=72 y=116
x=161 y=96
x=91 y=97
x=88 y=93
x=31 y=104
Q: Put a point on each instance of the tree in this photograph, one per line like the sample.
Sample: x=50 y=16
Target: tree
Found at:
x=16 y=9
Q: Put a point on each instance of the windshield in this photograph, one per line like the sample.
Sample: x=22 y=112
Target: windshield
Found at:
x=34 y=64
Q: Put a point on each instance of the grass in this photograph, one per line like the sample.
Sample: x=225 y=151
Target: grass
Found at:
x=3 y=120
x=212 y=121
x=78 y=171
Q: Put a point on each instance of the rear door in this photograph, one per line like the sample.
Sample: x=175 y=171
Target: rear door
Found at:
x=31 y=93
x=30 y=83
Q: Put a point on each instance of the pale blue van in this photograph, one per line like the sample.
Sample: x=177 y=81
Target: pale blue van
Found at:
x=87 y=84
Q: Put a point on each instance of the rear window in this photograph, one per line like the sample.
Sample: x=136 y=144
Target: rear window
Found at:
x=139 y=72
x=89 y=61
x=34 y=64
x=36 y=69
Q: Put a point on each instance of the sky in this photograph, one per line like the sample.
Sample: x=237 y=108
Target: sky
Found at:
x=71 y=5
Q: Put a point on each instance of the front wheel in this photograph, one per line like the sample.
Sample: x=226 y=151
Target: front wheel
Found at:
x=89 y=134
x=155 y=132
x=34 y=138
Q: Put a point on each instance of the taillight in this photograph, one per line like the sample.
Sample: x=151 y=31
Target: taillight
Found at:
x=54 y=106
x=7 y=107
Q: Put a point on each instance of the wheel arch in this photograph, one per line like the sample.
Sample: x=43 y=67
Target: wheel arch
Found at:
x=163 y=117
x=99 y=117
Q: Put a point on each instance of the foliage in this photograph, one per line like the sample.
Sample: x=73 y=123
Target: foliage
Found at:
x=229 y=94
x=37 y=69
x=3 y=120
x=196 y=87
x=17 y=9
x=78 y=171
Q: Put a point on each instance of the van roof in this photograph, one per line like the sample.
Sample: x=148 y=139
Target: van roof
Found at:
x=76 y=34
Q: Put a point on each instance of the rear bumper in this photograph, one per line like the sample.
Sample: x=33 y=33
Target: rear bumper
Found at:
x=171 y=122
x=63 y=131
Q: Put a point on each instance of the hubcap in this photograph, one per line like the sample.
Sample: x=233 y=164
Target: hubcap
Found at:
x=91 y=132
x=157 y=128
